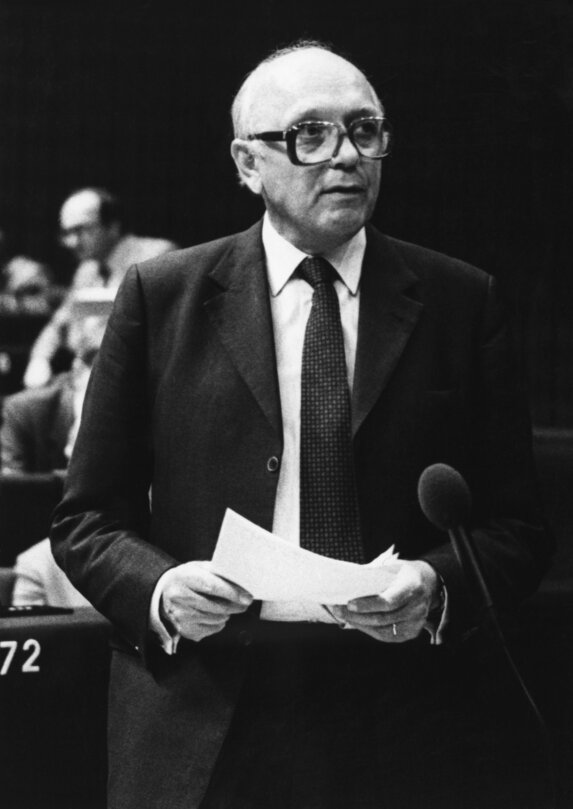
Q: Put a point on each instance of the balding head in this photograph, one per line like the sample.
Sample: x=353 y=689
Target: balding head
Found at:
x=283 y=71
x=82 y=204
x=90 y=223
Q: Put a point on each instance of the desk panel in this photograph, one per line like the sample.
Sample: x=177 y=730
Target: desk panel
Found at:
x=53 y=699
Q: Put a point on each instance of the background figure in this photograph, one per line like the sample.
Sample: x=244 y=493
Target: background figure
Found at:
x=39 y=426
x=38 y=434
x=200 y=390
x=92 y=228
x=27 y=287
x=39 y=581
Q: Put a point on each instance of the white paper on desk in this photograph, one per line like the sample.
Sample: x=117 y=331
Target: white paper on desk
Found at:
x=272 y=569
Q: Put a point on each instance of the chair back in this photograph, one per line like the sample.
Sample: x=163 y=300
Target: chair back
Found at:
x=7 y=577
x=27 y=501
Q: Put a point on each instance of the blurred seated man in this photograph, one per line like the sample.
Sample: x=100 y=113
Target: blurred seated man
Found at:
x=40 y=582
x=92 y=227
x=26 y=286
x=39 y=426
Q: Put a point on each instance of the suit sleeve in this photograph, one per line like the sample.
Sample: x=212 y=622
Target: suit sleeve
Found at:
x=101 y=530
x=14 y=444
x=512 y=539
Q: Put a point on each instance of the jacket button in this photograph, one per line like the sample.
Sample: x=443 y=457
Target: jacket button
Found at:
x=273 y=464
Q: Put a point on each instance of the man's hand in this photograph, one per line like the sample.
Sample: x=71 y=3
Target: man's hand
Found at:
x=198 y=603
x=400 y=612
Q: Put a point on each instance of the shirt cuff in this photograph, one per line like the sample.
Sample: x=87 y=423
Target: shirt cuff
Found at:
x=168 y=637
x=437 y=620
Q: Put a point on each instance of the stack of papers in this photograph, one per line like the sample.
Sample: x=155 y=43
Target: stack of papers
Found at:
x=272 y=569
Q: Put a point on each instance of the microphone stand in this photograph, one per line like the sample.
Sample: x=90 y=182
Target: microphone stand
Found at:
x=466 y=555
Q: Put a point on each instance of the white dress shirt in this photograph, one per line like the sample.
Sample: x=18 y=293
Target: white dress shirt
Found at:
x=130 y=249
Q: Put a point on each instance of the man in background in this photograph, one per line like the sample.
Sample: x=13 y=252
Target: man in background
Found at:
x=92 y=228
x=303 y=373
x=39 y=426
x=40 y=582
x=37 y=435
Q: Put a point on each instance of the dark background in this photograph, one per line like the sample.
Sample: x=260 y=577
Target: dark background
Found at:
x=135 y=96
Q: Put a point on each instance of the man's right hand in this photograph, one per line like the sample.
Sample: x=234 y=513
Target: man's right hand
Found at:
x=197 y=602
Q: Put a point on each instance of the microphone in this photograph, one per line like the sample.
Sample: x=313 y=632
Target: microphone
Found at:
x=444 y=496
x=446 y=501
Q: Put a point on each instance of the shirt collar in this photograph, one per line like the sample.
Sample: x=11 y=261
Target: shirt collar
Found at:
x=283 y=258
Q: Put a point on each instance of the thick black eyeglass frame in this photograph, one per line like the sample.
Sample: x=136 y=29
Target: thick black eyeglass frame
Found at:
x=289 y=135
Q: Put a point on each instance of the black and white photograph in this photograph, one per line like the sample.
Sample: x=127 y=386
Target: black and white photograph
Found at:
x=286 y=404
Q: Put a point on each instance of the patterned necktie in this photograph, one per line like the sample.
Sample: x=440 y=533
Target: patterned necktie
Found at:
x=329 y=519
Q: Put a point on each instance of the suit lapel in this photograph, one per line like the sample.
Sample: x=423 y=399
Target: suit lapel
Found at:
x=240 y=312
x=387 y=319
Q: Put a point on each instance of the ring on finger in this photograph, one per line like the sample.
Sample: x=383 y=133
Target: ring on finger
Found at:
x=394 y=630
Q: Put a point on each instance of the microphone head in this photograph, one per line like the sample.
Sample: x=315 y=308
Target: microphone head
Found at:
x=444 y=497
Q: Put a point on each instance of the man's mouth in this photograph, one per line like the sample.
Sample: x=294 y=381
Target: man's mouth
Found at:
x=344 y=189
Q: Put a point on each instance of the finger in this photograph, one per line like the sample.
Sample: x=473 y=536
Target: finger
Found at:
x=401 y=633
x=190 y=600
x=200 y=619
x=192 y=623
x=416 y=580
x=368 y=604
x=194 y=631
x=393 y=633
x=393 y=599
x=372 y=620
x=207 y=565
x=335 y=610
x=412 y=611
x=408 y=588
x=197 y=609
x=240 y=593
x=413 y=616
x=201 y=578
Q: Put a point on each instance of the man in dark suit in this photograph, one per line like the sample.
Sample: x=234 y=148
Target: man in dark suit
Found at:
x=35 y=427
x=194 y=406
x=39 y=426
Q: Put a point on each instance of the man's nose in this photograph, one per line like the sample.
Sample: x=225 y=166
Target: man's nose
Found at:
x=346 y=153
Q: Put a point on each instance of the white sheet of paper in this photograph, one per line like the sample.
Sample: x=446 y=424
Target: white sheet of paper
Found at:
x=272 y=569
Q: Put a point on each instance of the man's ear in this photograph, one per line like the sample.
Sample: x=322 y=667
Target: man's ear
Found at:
x=244 y=155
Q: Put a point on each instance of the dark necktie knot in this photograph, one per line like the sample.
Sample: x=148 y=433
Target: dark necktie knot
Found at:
x=316 y=270
x=104 y=272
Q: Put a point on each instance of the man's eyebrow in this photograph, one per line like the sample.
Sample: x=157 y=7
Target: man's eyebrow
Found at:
x=368 y=111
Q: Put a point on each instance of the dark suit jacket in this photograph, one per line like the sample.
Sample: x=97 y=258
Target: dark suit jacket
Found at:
x=35 y=427
x=184 y=396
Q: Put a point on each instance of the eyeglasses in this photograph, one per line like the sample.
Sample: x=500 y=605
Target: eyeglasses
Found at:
x=77 y=230
x=312 y=142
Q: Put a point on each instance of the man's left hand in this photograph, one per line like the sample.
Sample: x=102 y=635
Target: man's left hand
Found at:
x=400 y=612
